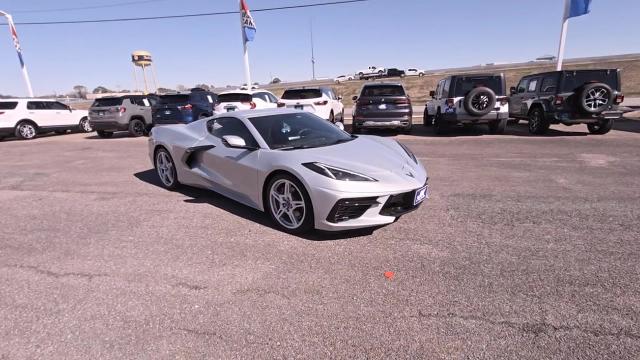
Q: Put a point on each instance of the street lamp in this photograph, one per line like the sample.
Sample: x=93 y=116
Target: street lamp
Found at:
x=16 y=43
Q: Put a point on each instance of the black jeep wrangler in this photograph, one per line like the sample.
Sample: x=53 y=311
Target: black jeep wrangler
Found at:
x=568 y=97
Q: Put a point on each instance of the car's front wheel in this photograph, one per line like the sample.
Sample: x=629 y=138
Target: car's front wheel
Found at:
x=136 y=128
x=601 y=127
x=538 y=124
x=289 y=204
x=85 y=126
x=166 y=169
x=440 y=126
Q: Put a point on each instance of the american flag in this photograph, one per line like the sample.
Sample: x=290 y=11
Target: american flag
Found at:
x=16 y=42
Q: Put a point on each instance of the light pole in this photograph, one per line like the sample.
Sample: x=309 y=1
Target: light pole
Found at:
x=16 y=43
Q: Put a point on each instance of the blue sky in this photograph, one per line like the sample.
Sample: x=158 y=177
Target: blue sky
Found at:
x=393 y=33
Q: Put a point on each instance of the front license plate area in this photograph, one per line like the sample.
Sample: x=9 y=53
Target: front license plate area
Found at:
x=421 y=195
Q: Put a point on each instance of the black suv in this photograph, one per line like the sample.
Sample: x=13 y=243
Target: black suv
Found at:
x=568 y=97
x=183 y=108
x=382 y=105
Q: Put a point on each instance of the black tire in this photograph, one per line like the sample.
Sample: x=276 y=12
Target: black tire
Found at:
x=166 y=169
x=85 y=126
x=497 y=127
x=420 y=74
x=307 y=220
x=538 y=124
x=105 y=134
x=136 y=128
x=332 y=117
x=595 y=98
x=427 y=120
x=601 y=127
x=26 y=130
x=440 y=125
x=479 y=101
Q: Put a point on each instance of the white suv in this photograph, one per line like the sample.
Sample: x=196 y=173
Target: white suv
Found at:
x=321 y=101
x=468 y=99
x=414 y=72
x=26 y=118
x=234 y=100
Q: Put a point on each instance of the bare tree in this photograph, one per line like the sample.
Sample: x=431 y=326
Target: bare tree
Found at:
x=80 y=91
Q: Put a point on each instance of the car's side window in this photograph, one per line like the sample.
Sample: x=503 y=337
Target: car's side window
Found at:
x=261 y=96
x=522 y=86
x=533 y=85
x=273 y=98
x=445 y=88
x=36 y=105
x=549 y=84
x=57 y=106
x=231 y=126
x=439 y=89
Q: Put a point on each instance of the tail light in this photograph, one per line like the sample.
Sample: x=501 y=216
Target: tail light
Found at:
x=619 y=99
x=281 y=104
x=504 y=101
x=187 y=107
x=559 y=100
x=402 y=102
x=321 y=103
x=122 y=110
x=451 y=102
x=251 y=104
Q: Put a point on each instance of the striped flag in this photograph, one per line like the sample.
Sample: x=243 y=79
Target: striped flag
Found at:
x=16 y=42
x=248 y=25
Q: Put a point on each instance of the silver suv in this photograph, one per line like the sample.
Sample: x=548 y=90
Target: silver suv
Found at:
x=130 y=113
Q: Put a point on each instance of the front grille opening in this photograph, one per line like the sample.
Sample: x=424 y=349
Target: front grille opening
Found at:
x=349 y=209
x=399 y=204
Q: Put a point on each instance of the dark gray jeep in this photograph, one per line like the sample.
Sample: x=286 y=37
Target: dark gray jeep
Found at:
x=568 y=97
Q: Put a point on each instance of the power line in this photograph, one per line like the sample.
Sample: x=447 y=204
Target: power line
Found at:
x=128 y=3
x=190 y=15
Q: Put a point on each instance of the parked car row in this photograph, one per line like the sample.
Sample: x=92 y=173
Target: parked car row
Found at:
x=377 y=72
x=568 y=97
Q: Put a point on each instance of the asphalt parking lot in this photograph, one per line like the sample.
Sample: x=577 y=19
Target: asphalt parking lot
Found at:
x=527 y=249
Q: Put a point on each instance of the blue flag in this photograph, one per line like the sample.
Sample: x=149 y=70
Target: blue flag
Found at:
x=576 y=8
x=248 y=25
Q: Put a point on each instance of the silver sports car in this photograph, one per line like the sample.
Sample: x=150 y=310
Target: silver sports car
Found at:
x=300 y=169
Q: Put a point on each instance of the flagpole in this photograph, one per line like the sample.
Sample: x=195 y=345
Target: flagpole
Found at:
x=563 y=35
x=25 y=73
x=247 y=70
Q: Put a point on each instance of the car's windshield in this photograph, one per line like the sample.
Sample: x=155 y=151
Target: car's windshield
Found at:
x=383 y=90
x=235 y=98
x=467 y=83
x=301 y=94
x=572 y=80
x=104 y=102
x=298 y=131
x=174 y=99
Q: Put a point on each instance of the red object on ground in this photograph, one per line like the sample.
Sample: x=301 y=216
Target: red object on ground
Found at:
x=389 y=275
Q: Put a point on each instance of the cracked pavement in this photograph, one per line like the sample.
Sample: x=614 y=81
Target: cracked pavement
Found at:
x=528 y=248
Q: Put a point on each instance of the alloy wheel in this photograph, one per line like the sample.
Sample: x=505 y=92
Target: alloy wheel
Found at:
x=287 y=204
x=165 y=168
x=27 y=131
x=85 y=125
x=596 y=98
x=480 y=102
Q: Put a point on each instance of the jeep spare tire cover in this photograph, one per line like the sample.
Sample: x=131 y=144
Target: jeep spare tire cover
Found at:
x=479 y=101
x=595 y=98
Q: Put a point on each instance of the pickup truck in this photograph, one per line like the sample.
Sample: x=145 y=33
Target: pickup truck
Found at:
x=371 y=72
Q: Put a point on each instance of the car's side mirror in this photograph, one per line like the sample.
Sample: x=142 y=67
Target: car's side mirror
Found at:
x=354 y=98
x=432 y=93
x=235 y=142
x=513 y=90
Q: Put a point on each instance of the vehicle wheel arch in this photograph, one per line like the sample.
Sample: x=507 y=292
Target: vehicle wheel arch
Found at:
x=536 y=105
x=137 y=117
x=273 y=174
x=28 y=121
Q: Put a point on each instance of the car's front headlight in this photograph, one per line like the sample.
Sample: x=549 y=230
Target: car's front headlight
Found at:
x=408 y=151
x=336 y=173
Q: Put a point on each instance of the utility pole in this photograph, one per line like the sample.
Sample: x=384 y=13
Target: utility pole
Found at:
x=313 y=59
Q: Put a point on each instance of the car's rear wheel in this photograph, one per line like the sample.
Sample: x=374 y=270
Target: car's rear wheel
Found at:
x=289 y=204
x=538 y=124
x=498 y=126
x=166 y=169
x=136 y=128
x=105 y=134
x=440 y=126
x=85 y=126
x=601 y=127
x=26 y=130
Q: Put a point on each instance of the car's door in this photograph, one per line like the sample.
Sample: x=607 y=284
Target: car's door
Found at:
x=515 y=100
x=234 y=170
x=530 y=95
x=61 y=114
x=431 y=103
x=40 y=112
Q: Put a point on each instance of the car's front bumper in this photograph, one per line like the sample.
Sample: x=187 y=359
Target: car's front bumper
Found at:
x=380 y=210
